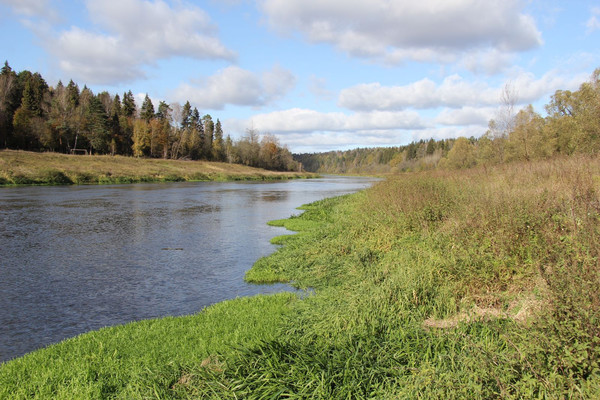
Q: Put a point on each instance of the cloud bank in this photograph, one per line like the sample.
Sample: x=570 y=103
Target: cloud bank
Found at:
x=396 y=31
x=237 y=86
x=126 y=36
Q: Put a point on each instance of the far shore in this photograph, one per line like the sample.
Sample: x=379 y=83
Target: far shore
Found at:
x=30 y=168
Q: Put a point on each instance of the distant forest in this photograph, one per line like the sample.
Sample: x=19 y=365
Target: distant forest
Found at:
x=67 y=119
x=572 y=125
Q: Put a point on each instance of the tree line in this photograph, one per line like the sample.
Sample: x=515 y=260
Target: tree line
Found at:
x=572 y=125
x=37 y=117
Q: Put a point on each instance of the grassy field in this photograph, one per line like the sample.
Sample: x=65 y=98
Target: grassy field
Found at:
x=475 y=284
x=20 y=167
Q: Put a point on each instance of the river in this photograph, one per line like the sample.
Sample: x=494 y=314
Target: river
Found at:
x=79 y=258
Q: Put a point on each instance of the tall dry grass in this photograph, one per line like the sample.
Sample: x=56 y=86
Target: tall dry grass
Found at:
x=478 y=283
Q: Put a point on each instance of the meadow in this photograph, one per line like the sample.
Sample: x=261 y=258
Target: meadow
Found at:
x=475 y=283
x=31 y=168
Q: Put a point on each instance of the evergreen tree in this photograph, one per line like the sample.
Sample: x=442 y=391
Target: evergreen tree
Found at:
x=34 y=92
x=164 y=111
x=194 y=137
x=430 y=147
x=209 y=128
x=186 y=115
x=129 y=107
x=147 y=110
x=114 y=126
x=72 y=95
x=96 y=131
x=218 y=145
x=6 y=69
x=8 y=103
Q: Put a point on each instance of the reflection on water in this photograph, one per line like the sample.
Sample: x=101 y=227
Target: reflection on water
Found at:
x=78 y=258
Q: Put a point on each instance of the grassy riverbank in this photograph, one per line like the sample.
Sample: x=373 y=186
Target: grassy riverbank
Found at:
x=474 y=284
x=29 y=168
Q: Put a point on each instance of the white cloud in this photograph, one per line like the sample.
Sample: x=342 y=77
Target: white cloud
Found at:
x=423 y=94
x=29 y=8
x=489 y=62
x=137 y=33
x=593 y=23
x=394 y=31
x=32 y=9
x=237 y=86
x=305 y=120
x=453 y=92
x=466 y=116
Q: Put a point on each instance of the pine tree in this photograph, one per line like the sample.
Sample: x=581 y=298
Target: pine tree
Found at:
x=164 y=111
x=6 y=70
x=8 y=103
x=209 y=128
x=96 y=130
x=147 y=111
x=186 y=115
x=114 y=126
x=195 y=137
x=218 y=145
x=72 y=95
x=129 y=107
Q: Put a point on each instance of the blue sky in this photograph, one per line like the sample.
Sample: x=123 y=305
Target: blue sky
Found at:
x=319 y=74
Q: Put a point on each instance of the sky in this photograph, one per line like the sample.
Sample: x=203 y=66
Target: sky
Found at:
x=319 y=74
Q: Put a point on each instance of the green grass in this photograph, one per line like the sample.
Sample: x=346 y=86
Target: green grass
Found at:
x=476 y=284
x=29 y=168
x=146 y=359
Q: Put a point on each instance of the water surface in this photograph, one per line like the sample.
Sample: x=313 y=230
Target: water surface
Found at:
x=78 y=258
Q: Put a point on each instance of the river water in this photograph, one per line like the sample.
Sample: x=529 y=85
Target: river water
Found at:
x=78 y=258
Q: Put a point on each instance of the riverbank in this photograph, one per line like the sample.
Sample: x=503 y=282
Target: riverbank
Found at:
x=29 y=168
x=479 y=283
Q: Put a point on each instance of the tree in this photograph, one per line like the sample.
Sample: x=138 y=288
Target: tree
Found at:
x=230 y=155
x=526 y=141
x=96 y=126
x=587 y=134
x=461 y=155
x=430 y=147
x=186 y=115
x=249 y=148
x=141 y=138
x=159 y=137
x=411 y=151
x=8 y=103
x=129 y=107
x=194 y=136
x=161 y=131
x=147 y=110
x=505 y=116
x=72 y=95
x=57 y=119
x=114 y=126
x=164 y=111
x=22 y=128
x=269 y=146
x=29 y=128
x=33 y=94
x=218 y=145
x=209 y=128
